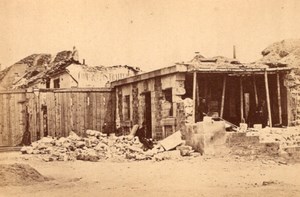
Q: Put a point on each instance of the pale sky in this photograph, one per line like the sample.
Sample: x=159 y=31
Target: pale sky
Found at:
x=147 y=33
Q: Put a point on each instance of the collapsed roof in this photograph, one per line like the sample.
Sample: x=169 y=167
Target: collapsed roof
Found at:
x=220 y=64
x=40 y=66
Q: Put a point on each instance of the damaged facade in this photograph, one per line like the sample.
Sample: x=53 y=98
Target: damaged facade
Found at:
x=231 y=89
x=168 y=99
x=62 y=70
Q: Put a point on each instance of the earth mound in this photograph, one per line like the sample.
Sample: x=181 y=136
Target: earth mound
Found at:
x=19 y=174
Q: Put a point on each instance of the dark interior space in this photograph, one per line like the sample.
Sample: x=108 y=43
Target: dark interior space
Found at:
x=250 y=87
x=148 y=118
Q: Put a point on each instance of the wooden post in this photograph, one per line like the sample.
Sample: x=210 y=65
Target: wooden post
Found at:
x=255 y=91
x=223 y=96
x=242 y=101
x=194 y=95
x=279 y=99
x=197 y=94
x=268 y=98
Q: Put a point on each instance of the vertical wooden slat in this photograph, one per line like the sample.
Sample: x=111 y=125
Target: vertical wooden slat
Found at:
x=279 y=99
x=268 y=98
x=241 y=100
x=63 y=113
x=94 y=110
x=69 y=120
x=89 y=111
x=56 y=117
x=223 y=96
x=98 y=112
x=85 y=112
x=11 y=118
x=19 y=111
x=194 y=95
x=75 y=111
x=83 y=96
x=30 y=114
x=41 y=118
x=255 y=91
x=2 y=132
x=34 y=98
x=52 y=114
x=50 y=121
x=38 y=118
x=16 y=113
x=103 y=108
x=23 y=116
x=5 y=120
x=67 y=113
x=81 y=113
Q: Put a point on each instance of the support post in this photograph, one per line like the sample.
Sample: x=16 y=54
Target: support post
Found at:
x=279 y=99
x=242 y=101
x=197 y=94
x=194 y=95
x=255 y=91
x=268 y=98
x=223 y=96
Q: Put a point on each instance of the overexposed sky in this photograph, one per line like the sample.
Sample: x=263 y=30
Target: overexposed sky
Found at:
x=147 y=33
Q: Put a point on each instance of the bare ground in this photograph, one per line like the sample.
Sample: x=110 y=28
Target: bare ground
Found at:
x=200 y=176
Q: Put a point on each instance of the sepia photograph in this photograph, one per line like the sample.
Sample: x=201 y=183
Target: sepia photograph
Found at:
x=146 y=98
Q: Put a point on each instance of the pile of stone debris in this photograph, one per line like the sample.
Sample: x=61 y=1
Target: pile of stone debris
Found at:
x=96 y=146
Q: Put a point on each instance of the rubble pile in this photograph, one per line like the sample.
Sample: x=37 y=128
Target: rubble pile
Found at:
x=94 y=147
x=287 y=137
x=284 y=142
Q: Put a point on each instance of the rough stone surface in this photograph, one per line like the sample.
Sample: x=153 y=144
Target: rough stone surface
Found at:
x=96 y=146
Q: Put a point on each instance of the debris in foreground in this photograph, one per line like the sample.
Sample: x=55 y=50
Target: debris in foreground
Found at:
x=96 y=146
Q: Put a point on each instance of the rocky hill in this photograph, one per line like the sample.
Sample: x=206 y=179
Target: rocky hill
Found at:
x=283 y=53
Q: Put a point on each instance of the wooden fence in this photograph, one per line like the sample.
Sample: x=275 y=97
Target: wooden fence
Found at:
x=54 y=112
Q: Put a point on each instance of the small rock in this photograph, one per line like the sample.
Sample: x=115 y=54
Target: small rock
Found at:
x=24 y=150
x=80 y=144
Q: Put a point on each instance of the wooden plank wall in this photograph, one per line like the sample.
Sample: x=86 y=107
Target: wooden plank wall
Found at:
x=54 y=112
x=12 y=117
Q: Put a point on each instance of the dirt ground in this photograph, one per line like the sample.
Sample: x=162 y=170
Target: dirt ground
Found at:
x=199 y=176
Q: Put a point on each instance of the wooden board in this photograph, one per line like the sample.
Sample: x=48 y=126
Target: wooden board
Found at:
x=66 y=110
x=2 y=132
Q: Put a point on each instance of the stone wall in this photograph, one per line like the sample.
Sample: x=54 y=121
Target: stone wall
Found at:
x=135 y=104
x=292 y=83
x=155 y=86
x=157 y=109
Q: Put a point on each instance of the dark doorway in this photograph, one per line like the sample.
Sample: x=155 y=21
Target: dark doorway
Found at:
x=148 y=119
x=45 y=120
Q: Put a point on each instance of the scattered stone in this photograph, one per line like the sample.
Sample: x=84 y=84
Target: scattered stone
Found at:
x=282 y=162
x=265 y=183
x=96 y=146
